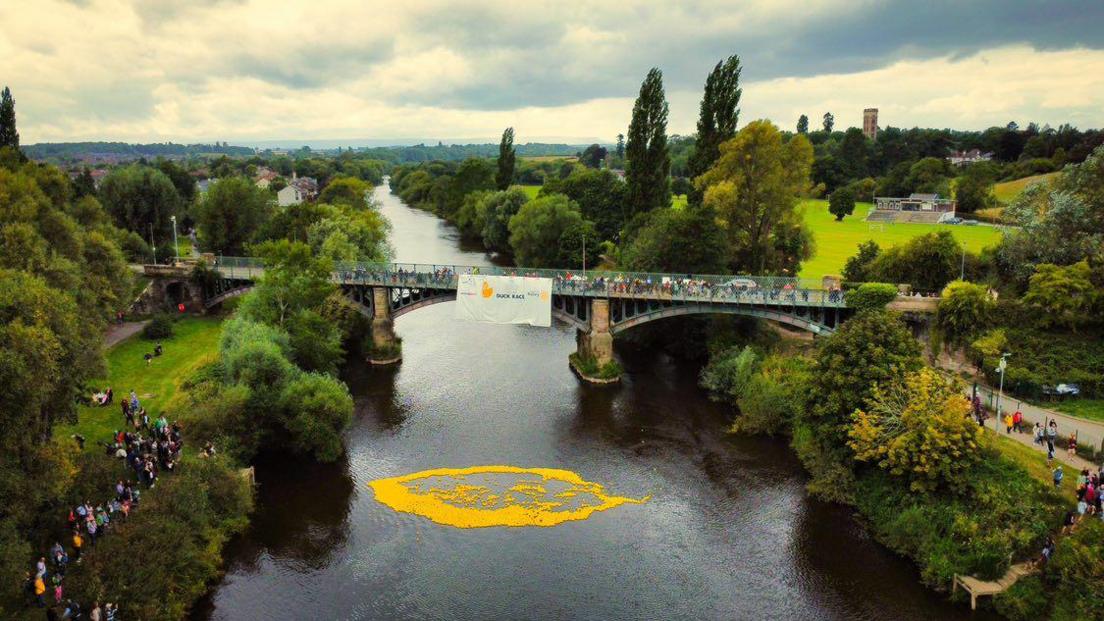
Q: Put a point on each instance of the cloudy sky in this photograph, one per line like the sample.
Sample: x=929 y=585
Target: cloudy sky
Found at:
x=247 y=70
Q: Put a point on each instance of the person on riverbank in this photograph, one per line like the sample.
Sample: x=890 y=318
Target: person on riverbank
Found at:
x=1058 y=477
x=78 y=545
x=1017 y=421
x=1051 y=437
x=1038 y=433
x=40 y=592
x=1008 y=423
x=1071 y=446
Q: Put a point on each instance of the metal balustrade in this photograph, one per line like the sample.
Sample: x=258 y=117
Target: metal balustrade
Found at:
x=775 y=291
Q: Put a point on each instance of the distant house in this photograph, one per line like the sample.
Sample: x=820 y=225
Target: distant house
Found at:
x=307 y=186
x=264 y=177
x=290 y=195
x=961 y=158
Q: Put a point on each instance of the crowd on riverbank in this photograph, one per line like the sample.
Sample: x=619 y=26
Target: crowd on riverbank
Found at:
x=145 y=448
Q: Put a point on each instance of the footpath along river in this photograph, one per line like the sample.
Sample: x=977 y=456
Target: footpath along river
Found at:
x=726 y=530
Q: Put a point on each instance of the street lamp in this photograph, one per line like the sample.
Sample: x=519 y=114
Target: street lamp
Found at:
x=176 y=245
x=1001 y=366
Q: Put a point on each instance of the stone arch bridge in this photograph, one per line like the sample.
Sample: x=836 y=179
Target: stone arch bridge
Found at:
x=598 y=304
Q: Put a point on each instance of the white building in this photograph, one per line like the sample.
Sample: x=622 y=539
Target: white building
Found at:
x=960 y=158
x=290 y=195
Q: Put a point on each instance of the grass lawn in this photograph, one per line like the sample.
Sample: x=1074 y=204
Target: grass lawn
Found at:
x=1084 y=408
x=194 y=340
x=530 y=190
x=1036 y=465
x=1009 y=190
x=837 y=241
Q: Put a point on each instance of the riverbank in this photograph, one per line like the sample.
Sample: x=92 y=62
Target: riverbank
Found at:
x=156 y=561
x=928 y=482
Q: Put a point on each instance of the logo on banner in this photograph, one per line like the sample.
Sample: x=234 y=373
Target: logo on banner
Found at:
x=487 y=290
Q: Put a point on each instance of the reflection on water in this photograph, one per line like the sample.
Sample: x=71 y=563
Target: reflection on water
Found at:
x=728 y=532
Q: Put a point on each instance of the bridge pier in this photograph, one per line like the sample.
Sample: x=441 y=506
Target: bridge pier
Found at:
x=386 y=347
x=593 y=358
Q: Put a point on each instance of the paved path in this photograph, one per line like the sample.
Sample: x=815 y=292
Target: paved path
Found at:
x=118 y=332
x=1089 y=432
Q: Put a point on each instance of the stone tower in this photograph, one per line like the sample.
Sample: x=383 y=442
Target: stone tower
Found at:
x=870 y=123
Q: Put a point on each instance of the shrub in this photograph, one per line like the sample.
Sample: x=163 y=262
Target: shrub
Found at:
x=1025 y=601
x=1076 y=573
x=872 y=295
x=588 y=366
x=774 y=396
x=965 y=309
x=728 y=373
x=159 y=328
x=160 y=560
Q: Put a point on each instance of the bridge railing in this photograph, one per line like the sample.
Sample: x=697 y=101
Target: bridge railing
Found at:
x=775 y=290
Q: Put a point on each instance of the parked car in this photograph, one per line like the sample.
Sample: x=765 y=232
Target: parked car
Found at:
x=1062 y=390
x=742 y=284
x=955 y=220
x=970 y=223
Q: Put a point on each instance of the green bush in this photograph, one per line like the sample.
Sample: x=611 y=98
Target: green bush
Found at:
x=160 y=327
x=1025 y=601
x=588 y=366
x=160 y=560
x=872 y=295
x=774 y=396
x=1076 y=573
x=728 y=373
x=389 y=351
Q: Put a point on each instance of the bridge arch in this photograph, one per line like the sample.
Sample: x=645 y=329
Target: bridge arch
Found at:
x=807 y=323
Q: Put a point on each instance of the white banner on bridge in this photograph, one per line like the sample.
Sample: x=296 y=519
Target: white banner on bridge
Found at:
x=505 y=299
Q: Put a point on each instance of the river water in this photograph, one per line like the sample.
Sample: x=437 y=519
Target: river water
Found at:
x=727 y=533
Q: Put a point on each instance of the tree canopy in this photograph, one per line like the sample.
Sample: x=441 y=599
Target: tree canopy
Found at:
x=648 y=163
x=231 y=213
x=717 y=119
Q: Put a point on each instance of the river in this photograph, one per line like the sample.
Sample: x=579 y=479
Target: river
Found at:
x=727 y=532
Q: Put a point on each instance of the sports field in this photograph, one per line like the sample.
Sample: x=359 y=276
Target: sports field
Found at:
x=836 y=241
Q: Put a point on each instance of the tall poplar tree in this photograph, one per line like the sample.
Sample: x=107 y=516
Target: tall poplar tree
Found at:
x=803 y=124
x=506 y=157
x=9 y=137
x=648 y=161
x=717 y=120
x=829 y=122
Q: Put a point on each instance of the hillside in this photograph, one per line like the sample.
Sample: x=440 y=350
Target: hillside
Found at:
x=1006 y=192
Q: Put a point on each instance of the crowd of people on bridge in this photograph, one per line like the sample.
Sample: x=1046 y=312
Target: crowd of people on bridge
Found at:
x=145 y=448
x=739 y=289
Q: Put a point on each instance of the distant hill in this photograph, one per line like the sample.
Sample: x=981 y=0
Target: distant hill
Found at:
x=122 y=151
x=1007 y=192
x=114 y=152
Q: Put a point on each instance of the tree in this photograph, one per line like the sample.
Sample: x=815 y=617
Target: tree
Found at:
x=593 y=156
x=184 y=183
x=973 y=193
x=537 y=228
x=965 y=309
x=348 y=234
x=231 y=213
x=679 y=241
x=620 y=146
x=600 y=196
x=853 y=153
x=84 y=185
x=499 y=208
x=293 y=281
x=317 y=409
x=472 y=175
x=930 y=175
x=9 y=136
x=717 y=120
x=857 y=268
x=1064 y=294
x=841 y=203
x=754 y=188
x=506 y=156
x=872 y=296
x=346 y=190
x=648 y=163
x=871 y=349
x=927 y=262
x=802 y=124
x=829 y=122
x=919 y=429
x=138 y=197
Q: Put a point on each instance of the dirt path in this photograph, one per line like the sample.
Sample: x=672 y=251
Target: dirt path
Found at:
x=119 y=332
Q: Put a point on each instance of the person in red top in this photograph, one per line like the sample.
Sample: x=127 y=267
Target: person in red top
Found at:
x=1017 y=420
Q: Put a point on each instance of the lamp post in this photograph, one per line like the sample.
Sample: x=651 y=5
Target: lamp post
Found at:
x=176 y=245
x=584 y=256
x=152 y=244
x=1001 y=366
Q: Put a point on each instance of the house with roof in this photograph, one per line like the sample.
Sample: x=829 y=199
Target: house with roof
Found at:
x=290 y=195
x=961 y=158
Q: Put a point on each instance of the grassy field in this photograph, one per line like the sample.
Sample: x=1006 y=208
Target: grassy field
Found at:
x=836 y=241
x=1084 y=408
x=194 y=340
x=1035 y=463
x=1009 y=190
x=530 y=190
